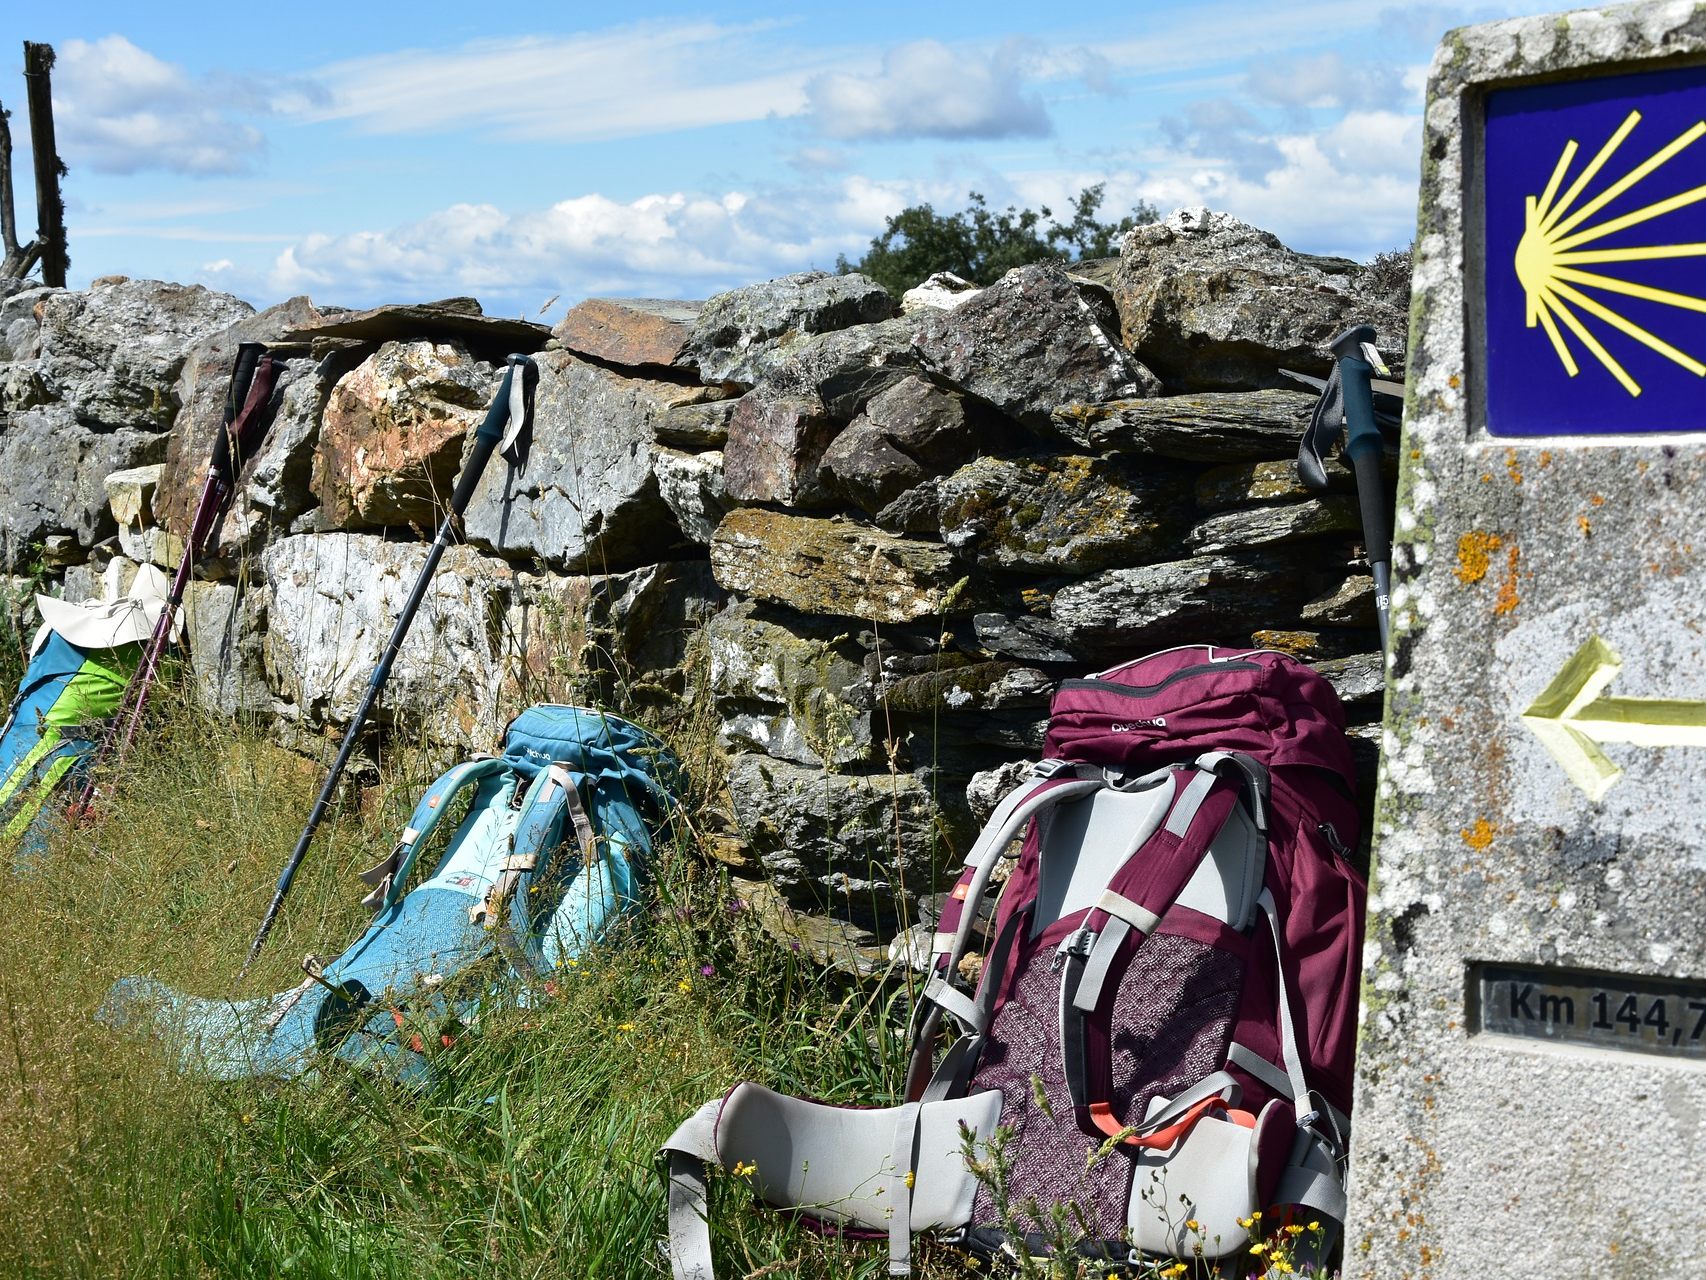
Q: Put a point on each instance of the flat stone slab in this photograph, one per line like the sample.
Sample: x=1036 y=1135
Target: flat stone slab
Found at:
x=634 y=332
x=1212 y=426
x=455 y=319
x=831 y=567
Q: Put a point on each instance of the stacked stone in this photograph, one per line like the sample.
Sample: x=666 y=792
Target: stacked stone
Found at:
x=869 y=536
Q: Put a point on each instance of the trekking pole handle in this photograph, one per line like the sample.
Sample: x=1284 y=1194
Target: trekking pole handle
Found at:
x=222 y=465
x=1364 y=448
x=512 y=406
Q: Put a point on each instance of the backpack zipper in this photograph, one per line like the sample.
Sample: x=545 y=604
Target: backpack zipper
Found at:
x=1145 y=690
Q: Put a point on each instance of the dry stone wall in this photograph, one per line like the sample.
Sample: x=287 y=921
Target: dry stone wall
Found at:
x=854 y=539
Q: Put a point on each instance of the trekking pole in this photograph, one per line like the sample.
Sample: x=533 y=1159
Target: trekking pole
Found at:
x=512 y=404
x=1347 y=403
x=241 y=429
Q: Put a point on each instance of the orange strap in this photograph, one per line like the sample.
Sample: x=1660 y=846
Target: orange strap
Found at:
x=1103 y=1118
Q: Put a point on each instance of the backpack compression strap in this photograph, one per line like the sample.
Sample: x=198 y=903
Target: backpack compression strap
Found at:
x=553 y=802
x=389 y=876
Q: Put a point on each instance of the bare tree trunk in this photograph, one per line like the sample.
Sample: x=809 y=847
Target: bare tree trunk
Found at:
x=50 y=206
x=17 y=261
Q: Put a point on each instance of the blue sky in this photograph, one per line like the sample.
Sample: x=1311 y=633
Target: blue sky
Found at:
x=368 y=152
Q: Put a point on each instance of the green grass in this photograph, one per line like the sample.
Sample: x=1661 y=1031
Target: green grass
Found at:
x=531 y=1155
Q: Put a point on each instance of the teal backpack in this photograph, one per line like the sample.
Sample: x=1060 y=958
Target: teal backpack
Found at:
x=551 y=853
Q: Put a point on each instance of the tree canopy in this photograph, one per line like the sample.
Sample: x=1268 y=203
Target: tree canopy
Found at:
x=981 y=244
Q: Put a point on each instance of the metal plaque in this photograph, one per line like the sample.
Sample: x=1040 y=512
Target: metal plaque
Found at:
x=1605 y=1010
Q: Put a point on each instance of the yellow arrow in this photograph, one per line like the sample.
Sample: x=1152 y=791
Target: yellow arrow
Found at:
x=1571 y=719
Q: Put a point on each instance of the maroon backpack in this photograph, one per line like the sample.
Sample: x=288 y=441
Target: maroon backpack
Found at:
x=1165 y=1018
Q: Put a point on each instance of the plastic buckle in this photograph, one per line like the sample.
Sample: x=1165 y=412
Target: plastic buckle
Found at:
x=1046 y=770
x=1075 y=944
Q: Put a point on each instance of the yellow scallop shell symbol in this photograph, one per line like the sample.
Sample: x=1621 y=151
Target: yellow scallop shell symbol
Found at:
x=1550 y=256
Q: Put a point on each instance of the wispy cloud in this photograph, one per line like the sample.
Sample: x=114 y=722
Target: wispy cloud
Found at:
x=624 y=81
x=121 y=110
x=927 y=90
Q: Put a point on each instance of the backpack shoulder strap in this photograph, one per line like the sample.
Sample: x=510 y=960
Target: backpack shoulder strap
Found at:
x=1050 y=782
x=389 y=875
x=1140 y=893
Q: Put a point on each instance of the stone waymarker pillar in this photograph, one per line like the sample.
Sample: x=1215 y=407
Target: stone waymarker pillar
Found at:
x=1531 y=1095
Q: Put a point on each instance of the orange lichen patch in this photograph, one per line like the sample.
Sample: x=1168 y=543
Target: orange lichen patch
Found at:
x=1585 y=525
x=1480 y=836
x=1545 y=459
x=1513 y=468
x=1486 y=477
x=1598 y=499
x=1475 y=555
x=1508 y=598
x=1454 y=382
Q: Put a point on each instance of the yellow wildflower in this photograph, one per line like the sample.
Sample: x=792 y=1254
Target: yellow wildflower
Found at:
x=909 y=1179
x=1314 y=1226
x=1294 y=1230
x=743 y=1169
x=1284 y=1264
x=1191 y=1224
x=684 y=986
x=626 y=1026
x=1258 y=1249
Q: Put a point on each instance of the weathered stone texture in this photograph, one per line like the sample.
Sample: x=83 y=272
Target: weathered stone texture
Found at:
x=831 y=567
x=632 y=332
x=1029 y=343
x=335 y=598
x=1511 y=555
x=112 y=354
x=1206 y=427
x=585 y=497
x=741 y=335
x=1211 y=302
x=392 y=435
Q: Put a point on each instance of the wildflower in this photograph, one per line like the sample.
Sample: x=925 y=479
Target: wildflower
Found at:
x=684 y=986
x=1177 y=1269
x=744 y=1169
x=708 y=971
x=626 y=1026
x=1314 y=1226
x=1294 y=1230
x=248 y=1119
x=1246 y=1223
x=1191 y=1224
x=909 y=1179
x=1258 y=1249
x=1284 y=1264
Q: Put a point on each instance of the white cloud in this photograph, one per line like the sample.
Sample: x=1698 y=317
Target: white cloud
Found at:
x=663 y=244
x=1324 y=79
x=626 y=81
x=927 y=90
x=1351 y=190
x=120 y=109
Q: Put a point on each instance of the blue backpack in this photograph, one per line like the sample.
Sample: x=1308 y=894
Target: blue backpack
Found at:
x=552 y=851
